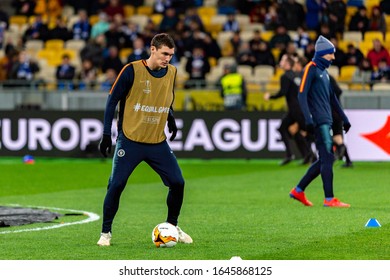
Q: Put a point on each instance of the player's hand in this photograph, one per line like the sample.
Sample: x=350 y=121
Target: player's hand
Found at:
x=105 y=144
x=346 y=126
x=310 y=128
x=172 y=128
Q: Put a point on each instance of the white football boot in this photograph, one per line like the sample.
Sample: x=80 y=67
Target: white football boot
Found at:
x=105 y=239
x=183 y=237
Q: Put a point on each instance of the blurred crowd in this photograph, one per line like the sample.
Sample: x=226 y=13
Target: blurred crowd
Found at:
x=291 y=27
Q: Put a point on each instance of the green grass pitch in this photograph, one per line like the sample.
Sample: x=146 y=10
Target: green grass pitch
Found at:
x=231 y=208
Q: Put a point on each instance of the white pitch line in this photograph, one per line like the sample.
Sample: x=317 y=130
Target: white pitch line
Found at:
x=91 y=218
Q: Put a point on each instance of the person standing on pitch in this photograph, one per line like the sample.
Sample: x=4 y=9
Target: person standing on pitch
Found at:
x=317 y=99
x=144 y=90
x=293 y=119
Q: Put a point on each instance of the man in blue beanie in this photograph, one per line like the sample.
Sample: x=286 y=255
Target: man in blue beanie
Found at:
x=316 y=98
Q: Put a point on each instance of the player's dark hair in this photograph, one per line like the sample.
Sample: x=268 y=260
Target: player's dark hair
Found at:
x=163 y=39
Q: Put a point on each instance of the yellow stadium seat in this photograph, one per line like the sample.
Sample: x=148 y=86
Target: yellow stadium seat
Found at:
x=207 y=11
x=54 y=44
x=75 y=44
x=364 y=47
x=124 y=54
x=371 y=35
x=129 y=10
x=93 y=19
x=267 y=35
x=156 y=18
x=353 y=36
x=144 y=10
x=18 y=19
x=346 y=73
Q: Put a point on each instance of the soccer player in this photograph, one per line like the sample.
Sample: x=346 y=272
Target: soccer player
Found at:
x=317 y=99
x=144 y=90
x=293 y=119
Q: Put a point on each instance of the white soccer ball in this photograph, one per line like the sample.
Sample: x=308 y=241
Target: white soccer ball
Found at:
x=165 y=235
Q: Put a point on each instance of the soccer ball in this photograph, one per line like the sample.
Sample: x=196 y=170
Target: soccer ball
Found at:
x=165 y=235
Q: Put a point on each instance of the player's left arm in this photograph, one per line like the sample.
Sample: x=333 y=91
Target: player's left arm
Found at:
x=172 y=128
x=339 y=110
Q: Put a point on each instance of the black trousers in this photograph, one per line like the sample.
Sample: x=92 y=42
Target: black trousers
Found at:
x=128 y=154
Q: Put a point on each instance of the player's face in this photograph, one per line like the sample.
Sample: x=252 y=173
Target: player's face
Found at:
x=162 y=56
x=329 y=56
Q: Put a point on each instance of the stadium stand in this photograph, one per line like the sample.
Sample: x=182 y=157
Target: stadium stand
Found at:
x=261 y=78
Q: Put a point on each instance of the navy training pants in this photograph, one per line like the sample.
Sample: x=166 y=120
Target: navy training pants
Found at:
x=128 y=154
x=324 y=164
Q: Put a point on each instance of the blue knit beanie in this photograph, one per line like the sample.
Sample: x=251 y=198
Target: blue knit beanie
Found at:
x=324 y=46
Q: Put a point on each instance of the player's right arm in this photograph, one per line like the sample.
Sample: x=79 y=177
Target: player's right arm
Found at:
x=305 y=86
x=119 y=90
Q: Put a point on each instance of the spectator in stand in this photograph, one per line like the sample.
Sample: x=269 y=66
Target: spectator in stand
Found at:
x=232 y=45
x=101 y=26
x=114 y=7
x=3 y=28
x=65 y=73
x=211 y=47
x=290 y=51
x=280 y=39
x=60 y=30
x=335 y=13
x=95 y=50
x=193 y=37
x=264 y=55
x=363 y=73
x=81 y=30
x=385 y=6
x=37 y=30
x=114 y=35
x=4 y=17
x=97 y=7
x=25 y=68
x=79 y=4
x=292 y=14
x=231 y=24
x=353 y=55
x=326 y=31
x=150 y=30
x=139 y=51
x=355 y=3
x=109 y=79
x=382 y=73
x=131 y=31
x=191 y=14
x=197 y=67
x=258 y=12
x=314 y=13
x=340 y=58
x=256 y=40
x=309 y=51
x=88 y=75
x=245 y=55
x=24 y=7
x=160 y=6
x=169 y=21
x=112 y=61
x=359 y=21
x=226 y=7
x=377 y=53
x=272 y=19
x=301 y=38
x=377 y=20
x=6 y=63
